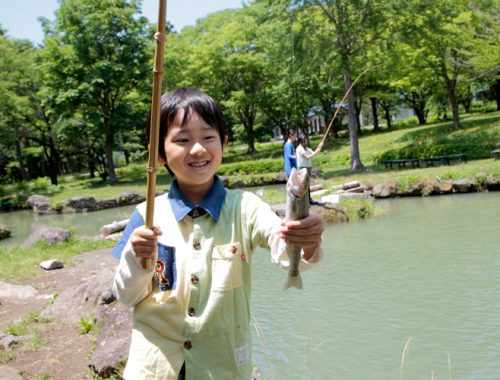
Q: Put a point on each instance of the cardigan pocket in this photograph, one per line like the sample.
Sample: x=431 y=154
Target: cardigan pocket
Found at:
x=226 y=267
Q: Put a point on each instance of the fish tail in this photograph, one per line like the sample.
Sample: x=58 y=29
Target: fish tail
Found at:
x=293 y=281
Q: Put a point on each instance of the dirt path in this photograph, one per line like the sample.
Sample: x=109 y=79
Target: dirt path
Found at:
x=63 y=353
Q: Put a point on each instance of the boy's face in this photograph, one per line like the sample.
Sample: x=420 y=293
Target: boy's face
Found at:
x=193 y=153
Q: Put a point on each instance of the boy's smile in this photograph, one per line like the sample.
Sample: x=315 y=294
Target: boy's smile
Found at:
x=193 y=153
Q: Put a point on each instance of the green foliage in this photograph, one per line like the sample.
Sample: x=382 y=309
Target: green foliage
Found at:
x=86 y=324
x=252 y=167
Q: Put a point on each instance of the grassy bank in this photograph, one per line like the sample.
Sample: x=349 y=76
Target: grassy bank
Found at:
x=22 y=263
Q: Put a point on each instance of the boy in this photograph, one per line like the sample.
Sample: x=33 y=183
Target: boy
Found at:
x=192 y=310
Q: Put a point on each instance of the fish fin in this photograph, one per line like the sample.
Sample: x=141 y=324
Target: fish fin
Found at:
x=293 y=281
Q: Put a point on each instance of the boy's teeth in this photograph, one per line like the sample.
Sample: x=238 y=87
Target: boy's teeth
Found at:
x=198 y=164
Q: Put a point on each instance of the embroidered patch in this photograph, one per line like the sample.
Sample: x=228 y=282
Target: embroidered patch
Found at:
x=165 y=273
x=242 y=355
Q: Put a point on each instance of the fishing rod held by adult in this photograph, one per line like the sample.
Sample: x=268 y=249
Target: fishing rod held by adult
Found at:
x=338 y=109
x=154 y=128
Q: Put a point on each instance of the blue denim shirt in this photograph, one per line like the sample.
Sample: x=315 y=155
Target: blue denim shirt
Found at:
x=181 y=206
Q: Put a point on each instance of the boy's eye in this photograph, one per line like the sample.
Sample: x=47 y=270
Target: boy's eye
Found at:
x=210 y=138
x=180 y=141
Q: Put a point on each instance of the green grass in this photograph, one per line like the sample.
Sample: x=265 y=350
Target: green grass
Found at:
x=18 y=263
x=28 y=326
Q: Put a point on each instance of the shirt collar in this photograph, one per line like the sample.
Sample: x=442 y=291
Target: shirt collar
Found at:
x=212 y=203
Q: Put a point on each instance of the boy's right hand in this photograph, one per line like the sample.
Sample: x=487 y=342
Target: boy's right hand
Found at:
x=144 y=241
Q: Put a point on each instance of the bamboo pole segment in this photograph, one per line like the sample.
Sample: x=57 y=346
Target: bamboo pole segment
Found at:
x=154 y=129
x=338 y=109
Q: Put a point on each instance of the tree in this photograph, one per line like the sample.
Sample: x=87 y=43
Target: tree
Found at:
x=16 y=78
x=355 y=25
x=95 y=57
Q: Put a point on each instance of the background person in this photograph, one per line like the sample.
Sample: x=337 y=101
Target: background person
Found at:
x=304 y=158
x=289 y=152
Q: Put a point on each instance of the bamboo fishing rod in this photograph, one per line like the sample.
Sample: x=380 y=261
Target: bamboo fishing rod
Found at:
x=154 y=128
x=338 y=109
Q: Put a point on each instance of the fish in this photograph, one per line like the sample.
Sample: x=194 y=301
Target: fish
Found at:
x=297 y=207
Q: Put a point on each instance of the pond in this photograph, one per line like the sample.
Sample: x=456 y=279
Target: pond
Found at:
x=426 y=273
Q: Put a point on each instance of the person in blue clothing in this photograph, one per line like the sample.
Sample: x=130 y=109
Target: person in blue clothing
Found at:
x=191 y=309
x=289 y=152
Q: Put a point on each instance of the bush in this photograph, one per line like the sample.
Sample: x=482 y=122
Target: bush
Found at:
x=43 y=186
x=252 y=167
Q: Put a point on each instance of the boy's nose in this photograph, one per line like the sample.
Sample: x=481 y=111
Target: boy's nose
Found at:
x=197 y=149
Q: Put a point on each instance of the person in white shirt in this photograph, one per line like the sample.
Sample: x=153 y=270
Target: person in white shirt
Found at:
x=304 y=157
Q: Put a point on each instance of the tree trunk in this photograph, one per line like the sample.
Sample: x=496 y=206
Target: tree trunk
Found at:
x=419 y=107
x=388 y=116
x=357 y=107
x=25 y=176
x=497 y=93
x=451 y=84
x=108 y=150
x=373 y=101
x=250 y=138
x=356 y=163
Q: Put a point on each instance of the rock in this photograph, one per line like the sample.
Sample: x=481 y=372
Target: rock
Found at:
x=5 y=232
x=331 y=198
x=108 y=203
x=384 y=190
x=463 y=186
x=261 y=192
x=109 y=229
x=49 y=235
x=17 y=291
x=39 y=203
x=51 y=264
x=107 y=297
x=281 y=178
x=82 y=300
x=8 y=373
x=113 y=343
x=129 y=197
x=82 y=204
x=350 y=185
x=359 y=189
x=7 y=341
x=348 y=195
x=416 y=189
x=493 y=184
x=314 y=188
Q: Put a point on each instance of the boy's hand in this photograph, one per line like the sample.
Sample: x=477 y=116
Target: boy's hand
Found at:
x=144 y=241
x=305 y=233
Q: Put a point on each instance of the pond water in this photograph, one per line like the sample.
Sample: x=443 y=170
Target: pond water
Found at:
x=423 y=274
x=427 y=271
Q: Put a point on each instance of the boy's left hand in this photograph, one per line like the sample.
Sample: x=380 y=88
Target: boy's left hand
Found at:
x=305 y=233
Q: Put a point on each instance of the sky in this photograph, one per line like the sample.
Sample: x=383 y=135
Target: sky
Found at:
x=20 y=18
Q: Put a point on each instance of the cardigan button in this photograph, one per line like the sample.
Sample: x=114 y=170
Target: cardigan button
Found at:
x=187 y=345
x=194 y=279
x=191 y=311
x=197 y=245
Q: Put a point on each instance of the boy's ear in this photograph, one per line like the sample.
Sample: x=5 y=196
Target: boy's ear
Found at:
x=226 y=138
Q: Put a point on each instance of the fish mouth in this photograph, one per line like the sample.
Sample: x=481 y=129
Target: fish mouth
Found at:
x=298 y=183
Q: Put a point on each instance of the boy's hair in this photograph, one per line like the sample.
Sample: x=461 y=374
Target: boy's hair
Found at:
x=187 y=99
x=291 y=132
